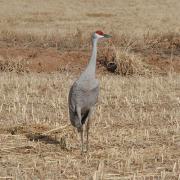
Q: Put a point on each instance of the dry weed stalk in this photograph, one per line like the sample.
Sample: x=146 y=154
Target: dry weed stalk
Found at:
x=122 y=62
x=99 y=174
x=130 y=64
x=56 y=130
x=13 y=65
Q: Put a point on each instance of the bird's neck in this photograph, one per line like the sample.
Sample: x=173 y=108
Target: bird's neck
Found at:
x=90 y=70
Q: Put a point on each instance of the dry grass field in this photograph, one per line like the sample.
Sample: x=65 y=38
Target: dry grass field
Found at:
x=135 y=131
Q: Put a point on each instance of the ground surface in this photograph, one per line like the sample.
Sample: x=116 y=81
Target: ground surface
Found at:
x=131 y=16
x=135 y=132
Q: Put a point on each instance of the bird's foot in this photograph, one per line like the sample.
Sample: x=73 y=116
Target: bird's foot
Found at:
x=84 y=149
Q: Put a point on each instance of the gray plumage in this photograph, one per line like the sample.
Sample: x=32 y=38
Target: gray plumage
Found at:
x=84 y=93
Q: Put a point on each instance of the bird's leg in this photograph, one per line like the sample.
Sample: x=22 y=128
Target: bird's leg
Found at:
x=80 y=129
x=87 y=135
x=87 y=129
x=82 y=139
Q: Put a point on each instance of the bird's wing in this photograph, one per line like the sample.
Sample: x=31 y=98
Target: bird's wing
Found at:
x=72 y=97
x=94 y=94
x=83 y=94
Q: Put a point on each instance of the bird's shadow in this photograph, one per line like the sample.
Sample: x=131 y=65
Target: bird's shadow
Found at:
x=46 y=139
x=42 y=138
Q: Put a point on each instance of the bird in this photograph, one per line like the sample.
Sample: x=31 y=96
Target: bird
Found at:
x=83 y=94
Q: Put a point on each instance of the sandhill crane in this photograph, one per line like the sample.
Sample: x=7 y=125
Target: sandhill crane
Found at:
x=83 y=94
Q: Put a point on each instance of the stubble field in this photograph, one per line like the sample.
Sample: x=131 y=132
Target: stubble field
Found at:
x=135 y=130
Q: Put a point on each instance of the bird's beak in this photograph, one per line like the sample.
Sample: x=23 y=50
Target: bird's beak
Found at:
x=107 y=36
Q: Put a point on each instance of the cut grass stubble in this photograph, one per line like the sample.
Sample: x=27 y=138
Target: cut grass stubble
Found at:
x=134 y=132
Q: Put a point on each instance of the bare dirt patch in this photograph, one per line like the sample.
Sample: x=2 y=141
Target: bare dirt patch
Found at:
x=161 y=50
x=51 y=60
x=47 y=60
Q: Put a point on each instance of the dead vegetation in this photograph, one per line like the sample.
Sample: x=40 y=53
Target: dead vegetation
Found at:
x=151 y=54
x=135 y=133
x=146 y=55
x=128 y=64
x=52 y=40
x=13 y=65
x=100 y=15
x=124 y=63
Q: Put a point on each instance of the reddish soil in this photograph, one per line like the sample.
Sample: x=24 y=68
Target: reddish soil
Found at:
x=50 y=60
x=162 y=58
x=165 y=64
x=46 y=60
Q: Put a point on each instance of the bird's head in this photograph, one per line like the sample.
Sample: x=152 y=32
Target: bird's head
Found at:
x=100 y=34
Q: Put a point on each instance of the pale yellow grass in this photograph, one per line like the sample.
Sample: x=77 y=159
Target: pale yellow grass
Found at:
x=134 y=134
x=58 y=16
